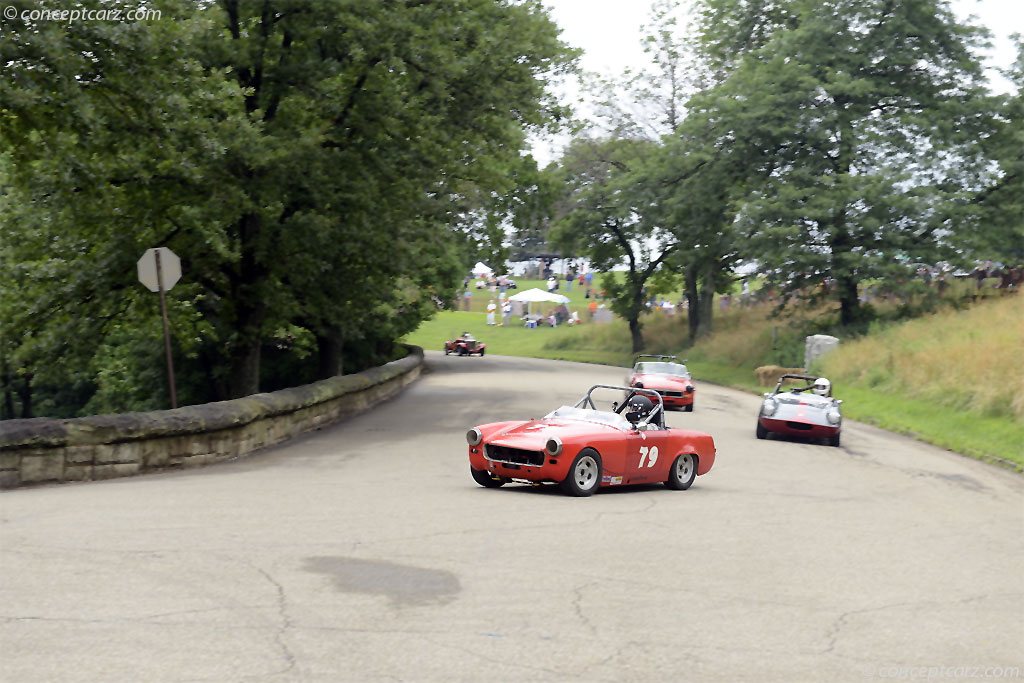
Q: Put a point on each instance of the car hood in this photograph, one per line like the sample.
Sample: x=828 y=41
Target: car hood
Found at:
x=808 y=400
x=663 y=381
x=534 y=434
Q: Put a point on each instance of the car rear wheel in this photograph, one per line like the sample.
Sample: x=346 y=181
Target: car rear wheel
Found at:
x=761 y=432
x=683 y=472
x=485 y=479
x=584 y=474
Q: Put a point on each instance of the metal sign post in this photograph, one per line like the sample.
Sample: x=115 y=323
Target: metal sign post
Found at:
x=159 y=270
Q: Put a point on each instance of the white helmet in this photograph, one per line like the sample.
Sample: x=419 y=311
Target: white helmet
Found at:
x=822 y=386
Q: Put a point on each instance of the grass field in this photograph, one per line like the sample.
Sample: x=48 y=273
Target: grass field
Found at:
x=954 y=378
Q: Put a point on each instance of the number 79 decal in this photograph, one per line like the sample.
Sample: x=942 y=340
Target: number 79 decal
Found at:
x=651 y=454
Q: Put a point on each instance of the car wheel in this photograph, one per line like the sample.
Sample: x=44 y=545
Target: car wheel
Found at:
x=688 y=409
x=485 y=479
x=761 y=432
x=683 y=472
x=584 y=474
x=462 y=351
x=481 y=353
x=834 y=440
x=446 y=350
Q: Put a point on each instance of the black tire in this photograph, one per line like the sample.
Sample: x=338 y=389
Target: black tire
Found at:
x=485 y=479
x=682 y=472
x=834 y=440
x=446 y=350
x=584 y=476
x=761 y=432
x=688 y=409
x=481 y=353
x=462 y=350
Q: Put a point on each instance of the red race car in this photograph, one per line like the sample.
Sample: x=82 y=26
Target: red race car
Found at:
x=464 y=345
x=807 y=411
x=666 y=375
x=582 y=448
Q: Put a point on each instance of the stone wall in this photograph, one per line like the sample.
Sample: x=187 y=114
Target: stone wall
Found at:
x=46 y=450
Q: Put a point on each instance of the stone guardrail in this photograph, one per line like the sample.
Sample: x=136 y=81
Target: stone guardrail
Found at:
x=47 y=450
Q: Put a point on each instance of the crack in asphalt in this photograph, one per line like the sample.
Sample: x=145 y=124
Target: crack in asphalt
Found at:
x=835 y=630
x=285 y=622
x=577 y=607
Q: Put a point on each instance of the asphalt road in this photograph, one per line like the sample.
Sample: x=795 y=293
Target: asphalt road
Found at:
x=365 y=552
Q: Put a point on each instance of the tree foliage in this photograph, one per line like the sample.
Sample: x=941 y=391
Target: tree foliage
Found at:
x=868 y=113
x=318 y=167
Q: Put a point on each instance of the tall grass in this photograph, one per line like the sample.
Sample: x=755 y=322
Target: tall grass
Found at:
x=970 y=359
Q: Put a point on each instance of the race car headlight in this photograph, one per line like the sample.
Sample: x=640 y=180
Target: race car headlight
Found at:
x=638 y=385
x=474 y=437
x=769 y=406
x=553 y=446
x=689 y=388
x=833 y=416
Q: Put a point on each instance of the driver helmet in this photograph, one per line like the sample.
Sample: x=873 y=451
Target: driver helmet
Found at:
x=822 y=386
x=641 y=405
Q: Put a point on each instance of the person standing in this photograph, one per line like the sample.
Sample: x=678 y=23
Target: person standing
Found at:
x=491 y=308
x=506 y=313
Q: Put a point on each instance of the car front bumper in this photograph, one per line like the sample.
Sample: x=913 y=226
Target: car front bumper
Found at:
x=799 y=428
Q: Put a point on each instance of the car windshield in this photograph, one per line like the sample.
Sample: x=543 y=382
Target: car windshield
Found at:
x=676 y=369
x=586 y=415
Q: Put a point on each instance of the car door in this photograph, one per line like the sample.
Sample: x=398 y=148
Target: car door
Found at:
x=647 y=454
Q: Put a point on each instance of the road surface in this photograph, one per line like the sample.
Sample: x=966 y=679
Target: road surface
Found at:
x=365 y=552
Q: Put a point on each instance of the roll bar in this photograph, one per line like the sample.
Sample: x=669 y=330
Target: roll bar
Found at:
x=588 y=401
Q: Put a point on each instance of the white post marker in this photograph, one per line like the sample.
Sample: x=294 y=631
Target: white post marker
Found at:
x=159 y=270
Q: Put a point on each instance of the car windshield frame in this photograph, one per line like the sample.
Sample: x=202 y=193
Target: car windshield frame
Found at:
x=661 y=368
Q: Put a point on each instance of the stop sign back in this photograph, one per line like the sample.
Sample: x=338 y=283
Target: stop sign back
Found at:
x=170 y=269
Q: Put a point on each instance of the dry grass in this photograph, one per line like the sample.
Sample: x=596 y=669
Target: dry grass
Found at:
x=971 y=359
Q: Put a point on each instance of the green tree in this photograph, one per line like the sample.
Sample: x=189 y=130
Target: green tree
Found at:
x=301 y=158
x=995 y=224
x=608 y=217
x=866 y=113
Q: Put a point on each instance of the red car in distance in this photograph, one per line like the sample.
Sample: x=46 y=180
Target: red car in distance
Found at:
x=668 y=376
x=582 y=448
x=464 y=345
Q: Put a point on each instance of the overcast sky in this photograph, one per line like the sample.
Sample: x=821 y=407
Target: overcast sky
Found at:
x=608 y=31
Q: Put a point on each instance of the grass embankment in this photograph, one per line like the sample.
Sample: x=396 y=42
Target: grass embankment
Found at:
x=954 y=378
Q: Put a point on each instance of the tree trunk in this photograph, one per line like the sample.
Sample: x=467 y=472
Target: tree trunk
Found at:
x=329 y=347
x=5 y=379
x=706 y=300
x=25 y=393
x=245 y=370
x=250 y=310
x=635 y=331
x=849 y=302
x=693 y=302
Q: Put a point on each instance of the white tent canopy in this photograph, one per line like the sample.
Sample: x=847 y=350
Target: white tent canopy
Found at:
x=531 y=295
x=481 y=270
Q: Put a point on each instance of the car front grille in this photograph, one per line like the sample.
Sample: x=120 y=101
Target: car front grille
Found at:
x=515 y=456
x=799 y=425
x=670 y=394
